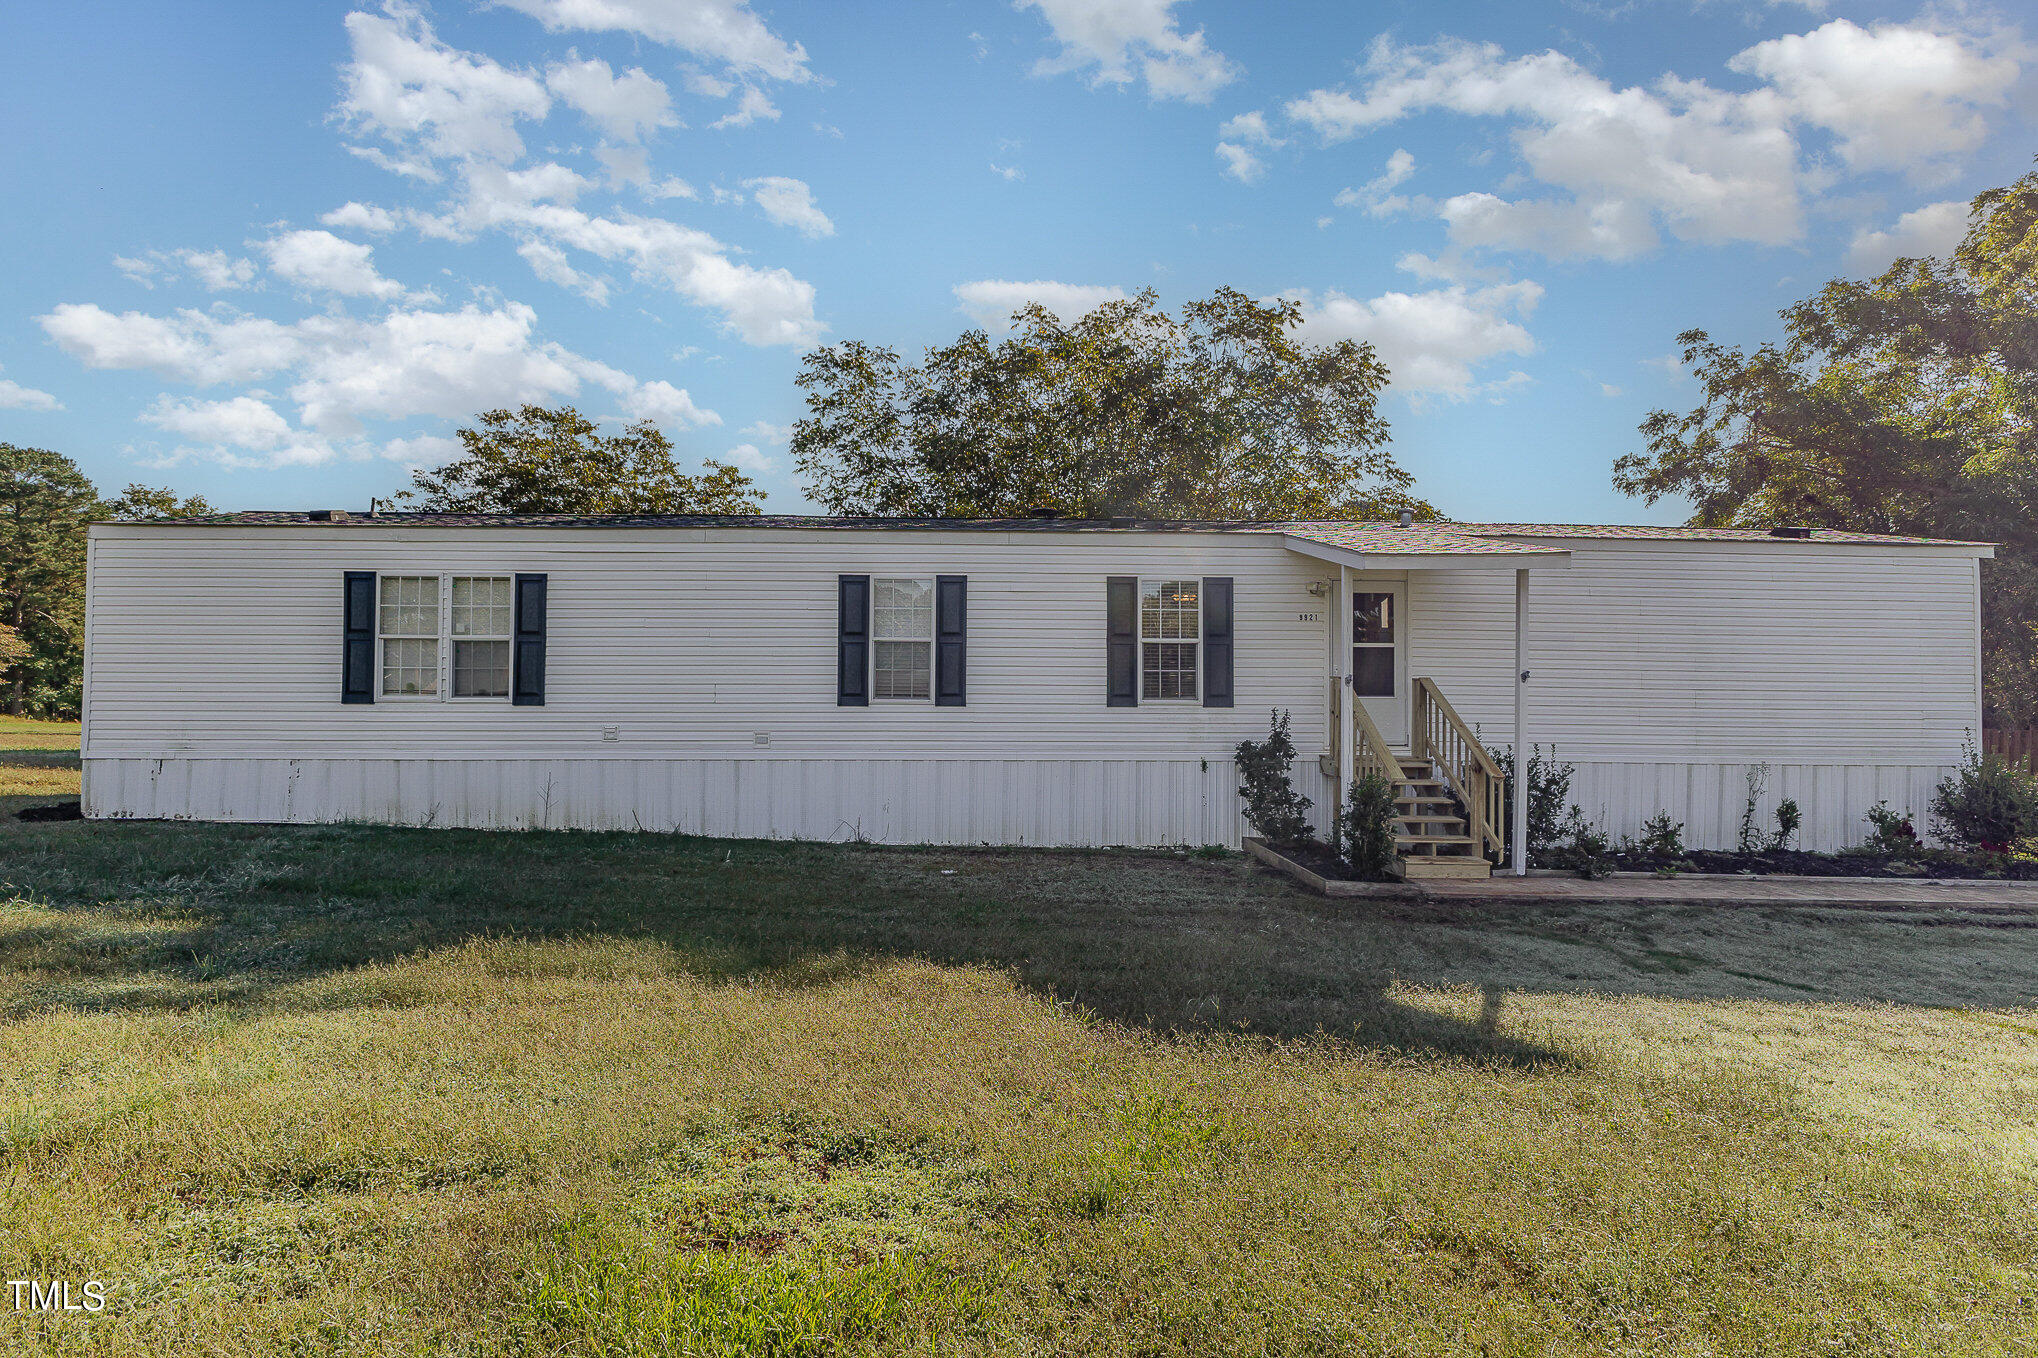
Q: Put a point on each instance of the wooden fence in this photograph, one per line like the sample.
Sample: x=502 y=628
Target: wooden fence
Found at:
x=2018 y=747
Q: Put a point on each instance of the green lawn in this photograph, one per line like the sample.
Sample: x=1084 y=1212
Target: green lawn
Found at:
x=348 y=1090
x=26 y=733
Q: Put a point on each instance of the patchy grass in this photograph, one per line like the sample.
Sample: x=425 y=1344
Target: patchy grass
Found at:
x=26 y=733
x=355 y=1090
x=35 y=778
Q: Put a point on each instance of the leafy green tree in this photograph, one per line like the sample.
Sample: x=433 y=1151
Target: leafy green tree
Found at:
x=155 y=502
x=1224 y=412
x=45 y=505
x=1904 y=404
x=539 y=460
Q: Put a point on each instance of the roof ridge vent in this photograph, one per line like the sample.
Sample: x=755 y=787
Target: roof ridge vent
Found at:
x=327 y=516
x=1790 y=530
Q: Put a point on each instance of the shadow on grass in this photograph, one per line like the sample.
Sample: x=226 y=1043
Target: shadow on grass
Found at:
x=152 y=915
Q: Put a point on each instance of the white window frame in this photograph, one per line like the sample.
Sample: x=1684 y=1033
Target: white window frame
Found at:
x=445 y=638
x=876 y=637
x=1195 y=641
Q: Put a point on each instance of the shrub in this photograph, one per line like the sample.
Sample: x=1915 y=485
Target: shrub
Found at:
x=1366 y=826
x=1890 y=832
x=1589 y=849
x=1662 y=837
x=1549 y=792
x=1272 y=805
x=1788 y=819
x=1751 y=832
x=1986 y=804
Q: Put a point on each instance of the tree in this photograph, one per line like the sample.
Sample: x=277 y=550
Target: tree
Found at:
x=155 y=502
x=536 y=460
x=1224 y=413
x=1904 y=404
x=45 y=505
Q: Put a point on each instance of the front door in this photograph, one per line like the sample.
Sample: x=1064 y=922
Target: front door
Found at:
x=1380 y=654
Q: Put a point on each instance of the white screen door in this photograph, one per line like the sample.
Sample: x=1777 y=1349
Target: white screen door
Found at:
x=1380 y=655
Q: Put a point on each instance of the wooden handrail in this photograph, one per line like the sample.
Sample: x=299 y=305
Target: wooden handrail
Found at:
x=1440 y=735
x=1372 y=752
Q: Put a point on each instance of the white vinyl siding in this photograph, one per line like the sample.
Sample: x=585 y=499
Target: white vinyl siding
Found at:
x=691 y=682
x=692 y=643
x=1667 y=671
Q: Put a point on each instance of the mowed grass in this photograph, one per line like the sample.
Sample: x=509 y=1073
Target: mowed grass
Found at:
x=346 y=1090
x=26 y=733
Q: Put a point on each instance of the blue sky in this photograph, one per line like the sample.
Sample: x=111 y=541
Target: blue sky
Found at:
x=274 y=253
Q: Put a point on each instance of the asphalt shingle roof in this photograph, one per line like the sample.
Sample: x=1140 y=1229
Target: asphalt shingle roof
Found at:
x=1388 y=538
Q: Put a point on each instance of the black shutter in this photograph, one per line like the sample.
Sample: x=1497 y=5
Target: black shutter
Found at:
x=951 y=622
x=527 y=652
x=852 y=641
x=1217 y=641
x=357 y=647
x=1121 y=641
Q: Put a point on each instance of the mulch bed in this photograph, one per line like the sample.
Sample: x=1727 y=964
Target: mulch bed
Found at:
x=1320 y=860
x=1796 y=863
x=1937 y=863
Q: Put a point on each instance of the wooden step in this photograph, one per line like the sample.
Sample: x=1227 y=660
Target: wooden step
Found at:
x=1420 y=869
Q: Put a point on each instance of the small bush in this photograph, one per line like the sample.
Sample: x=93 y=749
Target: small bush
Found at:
x=1662 y=837
x=1590 y=851
x=1987 y=804
x=1366 y=827
x=1549 y=791
x=1273 y=807
x=1751 y=828
x=1788 y=819
x=1890 y=832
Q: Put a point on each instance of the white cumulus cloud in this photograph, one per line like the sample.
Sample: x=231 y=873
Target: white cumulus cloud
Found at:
x=1932 y=230
x=789 y=202
x=406 y=85
x=1432 y=342
x=1893 y=95
x=991 y=301
x=719 y=30
x=1621 y=166
x=350 y=216
x=1377 y=195
x=1119 y=41
x=14 y=396
x=343 y=373
x=319 y=261
x=625 y=107
x=753 y=106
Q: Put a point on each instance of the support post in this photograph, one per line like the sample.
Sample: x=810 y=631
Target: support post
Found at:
x=1347 y=726
x=1519 y=848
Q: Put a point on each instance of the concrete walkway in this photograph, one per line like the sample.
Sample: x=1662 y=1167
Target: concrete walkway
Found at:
x=1857 y=893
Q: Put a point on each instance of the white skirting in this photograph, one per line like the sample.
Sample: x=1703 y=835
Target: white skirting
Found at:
x=1064 y=802
x=1708 y=798
x=1070 y=802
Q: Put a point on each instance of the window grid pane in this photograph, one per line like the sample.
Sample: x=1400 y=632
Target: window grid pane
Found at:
x=902 y=669
x=481 y=669
x=410 y=606
x=1170 y=626
x=1168 y=669
x=410 y=667
x=481 y=606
